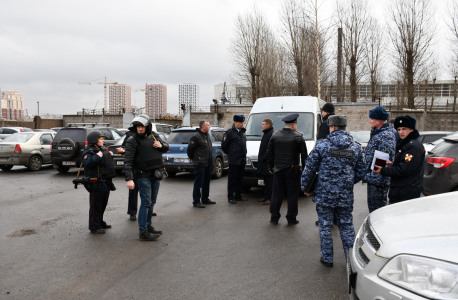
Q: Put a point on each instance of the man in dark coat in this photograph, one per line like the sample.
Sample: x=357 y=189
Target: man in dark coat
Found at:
x=234 y=145
x=200 y=152
x=285 y=150
x=327 y=110
x=133 y=194
x=263 y=168
x=406 y=171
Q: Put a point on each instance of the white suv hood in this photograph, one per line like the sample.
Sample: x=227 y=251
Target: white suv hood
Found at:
x=425 y=226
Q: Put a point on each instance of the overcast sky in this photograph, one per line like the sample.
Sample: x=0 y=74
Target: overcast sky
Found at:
x=47 y=47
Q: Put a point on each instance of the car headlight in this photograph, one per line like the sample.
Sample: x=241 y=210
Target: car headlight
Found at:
x=248 y=161
x=425 y=276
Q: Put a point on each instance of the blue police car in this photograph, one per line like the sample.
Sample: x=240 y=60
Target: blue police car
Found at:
x=176 y=159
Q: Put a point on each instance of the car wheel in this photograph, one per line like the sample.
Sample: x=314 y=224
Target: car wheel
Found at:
x=171 y=174
x=6 y=167
x=218 y=168
x=35 y=163
x=62 y=169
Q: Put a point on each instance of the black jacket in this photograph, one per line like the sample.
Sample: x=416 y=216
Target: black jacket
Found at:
x=324 y=127
x=263 y=168
x=128 y=135
x=98 y=167
x=200 y=149
x=234 y=145
x=284 y=149
x=134 y=157
x=407 y=170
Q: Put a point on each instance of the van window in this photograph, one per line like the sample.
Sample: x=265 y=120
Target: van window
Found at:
x=305 y=124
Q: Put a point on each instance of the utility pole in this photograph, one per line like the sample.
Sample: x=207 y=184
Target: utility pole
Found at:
x=318 y=46
x=339 y=64
x=38 y=103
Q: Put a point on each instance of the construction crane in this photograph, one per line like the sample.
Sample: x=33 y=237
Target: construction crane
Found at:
x=104 y=90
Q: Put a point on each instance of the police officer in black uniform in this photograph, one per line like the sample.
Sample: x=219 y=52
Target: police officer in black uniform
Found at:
x=406 y=171
x=98 y=163
x=143 y=156
x=283 y=152
x=234 y=145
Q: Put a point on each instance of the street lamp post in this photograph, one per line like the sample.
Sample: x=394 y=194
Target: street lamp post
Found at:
x=38 y=104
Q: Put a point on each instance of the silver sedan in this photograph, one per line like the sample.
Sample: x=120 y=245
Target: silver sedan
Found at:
x=30 y=149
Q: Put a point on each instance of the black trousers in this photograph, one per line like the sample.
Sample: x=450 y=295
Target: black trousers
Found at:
x=268 y=182
x=235 y=181
x=285 y=180
x=98 y=201
x=132 y=206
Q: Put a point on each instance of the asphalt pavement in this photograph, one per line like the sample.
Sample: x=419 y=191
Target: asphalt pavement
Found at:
x=224 y=251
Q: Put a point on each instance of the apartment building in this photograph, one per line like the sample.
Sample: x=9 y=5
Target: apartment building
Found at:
x=189 y=95
x=12 y=107
x=156 y=100
x=120 y=98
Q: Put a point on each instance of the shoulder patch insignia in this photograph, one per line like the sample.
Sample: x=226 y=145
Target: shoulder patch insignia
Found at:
x=85 y=156
x=224 y=138
x=342 y=153
x=408 y=157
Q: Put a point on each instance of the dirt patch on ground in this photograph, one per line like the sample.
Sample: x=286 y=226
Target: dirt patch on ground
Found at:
x=53 y=221
x=21 y=233
x=110 y=208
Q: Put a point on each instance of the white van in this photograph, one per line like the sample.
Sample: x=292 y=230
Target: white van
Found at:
x=276 y=108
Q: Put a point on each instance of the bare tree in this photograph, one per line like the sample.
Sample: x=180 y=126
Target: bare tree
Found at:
x=411 y=30
x=375 y=48
x=249 y=49
x=354 y=17
x=453 y=64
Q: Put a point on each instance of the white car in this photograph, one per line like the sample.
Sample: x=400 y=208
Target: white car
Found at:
x=407 y=250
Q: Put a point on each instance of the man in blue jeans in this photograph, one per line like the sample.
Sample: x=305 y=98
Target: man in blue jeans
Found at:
x=200 y=152
x=143 y=156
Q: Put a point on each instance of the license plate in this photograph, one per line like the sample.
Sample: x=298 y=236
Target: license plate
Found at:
x=261 y=182
x=120 y=163
x=69 y=163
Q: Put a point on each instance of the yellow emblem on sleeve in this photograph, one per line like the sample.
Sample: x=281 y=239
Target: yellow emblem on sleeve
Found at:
x=408 y=157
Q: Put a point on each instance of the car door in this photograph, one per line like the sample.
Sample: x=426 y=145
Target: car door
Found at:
x=45 y=141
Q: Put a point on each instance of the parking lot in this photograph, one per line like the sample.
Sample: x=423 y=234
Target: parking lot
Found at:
x=221 y=252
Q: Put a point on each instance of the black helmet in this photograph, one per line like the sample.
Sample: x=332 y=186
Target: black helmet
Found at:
x=142 y=120
x=93 y=137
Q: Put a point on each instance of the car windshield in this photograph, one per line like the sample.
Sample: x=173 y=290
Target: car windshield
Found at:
x=304 y=124
x=180 y=137
x=361 y=137
x=19 y=137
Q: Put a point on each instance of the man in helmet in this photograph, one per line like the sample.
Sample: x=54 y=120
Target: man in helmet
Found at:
x=143 y=156
x=133 y=194
x=98 y=163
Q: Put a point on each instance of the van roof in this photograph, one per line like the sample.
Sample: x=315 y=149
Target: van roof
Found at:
x=288 y=104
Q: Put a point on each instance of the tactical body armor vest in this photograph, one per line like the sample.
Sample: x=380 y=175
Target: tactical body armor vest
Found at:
x=148 y=158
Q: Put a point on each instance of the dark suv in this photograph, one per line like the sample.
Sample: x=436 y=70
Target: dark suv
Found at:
x=69 y=143
x=441 y=168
